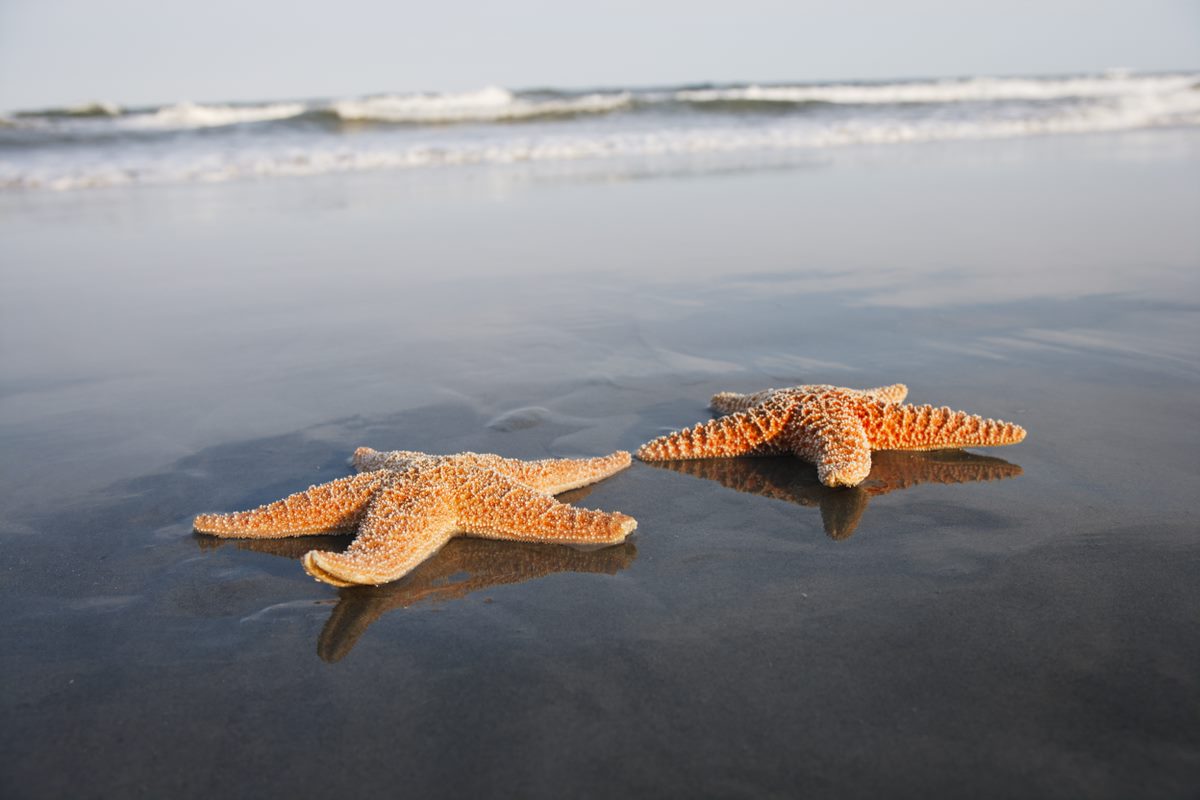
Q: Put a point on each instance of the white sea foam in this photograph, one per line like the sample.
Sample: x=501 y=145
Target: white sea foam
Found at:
x=951 y=91
x=486 y=105
x=654 y=139
x=183 y=116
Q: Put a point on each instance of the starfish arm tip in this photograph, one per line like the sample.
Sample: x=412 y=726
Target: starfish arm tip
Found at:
x=339 y=569
x=617 y=461
x=314 y=563
x=625 y=524
x=722 y=399
x=603 y=529
x=366 y=459
x=842 y=477
x=209 y=523
x=997 y=433
x=226 y=526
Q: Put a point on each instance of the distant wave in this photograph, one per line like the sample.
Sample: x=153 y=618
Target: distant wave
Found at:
x=948 y=91
x=105 y=119
x=655 y=128
x=487 y=105
x=498 y=105
x=192 y=115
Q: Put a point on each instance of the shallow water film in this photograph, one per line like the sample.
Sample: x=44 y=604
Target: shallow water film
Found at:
x=1017 y=621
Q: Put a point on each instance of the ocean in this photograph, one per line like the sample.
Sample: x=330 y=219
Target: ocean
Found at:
x=626 y=130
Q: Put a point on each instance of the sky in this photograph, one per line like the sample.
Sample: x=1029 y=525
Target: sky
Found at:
x=67 y=52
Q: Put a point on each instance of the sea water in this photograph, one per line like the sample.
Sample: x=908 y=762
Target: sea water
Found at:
x=649 y=130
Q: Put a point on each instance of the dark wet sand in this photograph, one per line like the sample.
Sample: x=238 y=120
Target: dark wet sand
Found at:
x=1010 y=622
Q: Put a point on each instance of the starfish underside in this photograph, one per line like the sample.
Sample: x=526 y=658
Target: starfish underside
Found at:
x=406 y=505
x=834 y=427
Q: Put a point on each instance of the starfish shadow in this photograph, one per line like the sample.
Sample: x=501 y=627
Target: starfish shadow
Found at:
x=790 y=479
x=464 y=566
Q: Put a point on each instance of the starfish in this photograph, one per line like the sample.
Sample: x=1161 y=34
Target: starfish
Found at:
x=841 y=509
x=834 y=427
x=406 y=505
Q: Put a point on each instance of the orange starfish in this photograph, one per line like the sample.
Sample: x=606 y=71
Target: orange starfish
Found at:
x=834 y=427
x=406 y=505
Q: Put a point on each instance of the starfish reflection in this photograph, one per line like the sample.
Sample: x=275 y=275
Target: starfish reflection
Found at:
x=841 y=509
x=464 y=566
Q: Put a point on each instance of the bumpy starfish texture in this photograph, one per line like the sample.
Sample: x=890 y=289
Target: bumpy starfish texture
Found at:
x=834 y=427
x=405 y=505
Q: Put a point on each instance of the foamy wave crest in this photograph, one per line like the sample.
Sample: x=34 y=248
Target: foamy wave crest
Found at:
x=949 y=91
x=655 y=143
x=486 y=105
x=184 y=116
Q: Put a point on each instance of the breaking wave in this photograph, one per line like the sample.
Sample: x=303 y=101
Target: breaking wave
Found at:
x=107 y=146
x=950 y=91
x=487 y=105
x=191 y=115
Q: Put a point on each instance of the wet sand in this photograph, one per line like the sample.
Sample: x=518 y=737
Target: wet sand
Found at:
x=1009 y=622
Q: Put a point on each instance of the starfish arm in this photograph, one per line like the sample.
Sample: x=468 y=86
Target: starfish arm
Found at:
x=732 y=402
x=495 y=506
x=830 y=434
x=337 y=505
x=554 y=475
x=366 y=459
x=557 y=475
x=400 y=531
x=888 y=394
x=744 y=433
x=907 y=427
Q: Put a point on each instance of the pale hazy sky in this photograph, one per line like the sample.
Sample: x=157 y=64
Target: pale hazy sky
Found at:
x=56 y=52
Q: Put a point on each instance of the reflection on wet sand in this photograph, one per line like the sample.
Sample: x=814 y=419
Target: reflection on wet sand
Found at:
x=294 y=547
x=787 y=478
x=462 y=567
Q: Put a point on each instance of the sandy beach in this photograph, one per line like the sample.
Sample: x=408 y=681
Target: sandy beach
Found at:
x=1018 y=621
